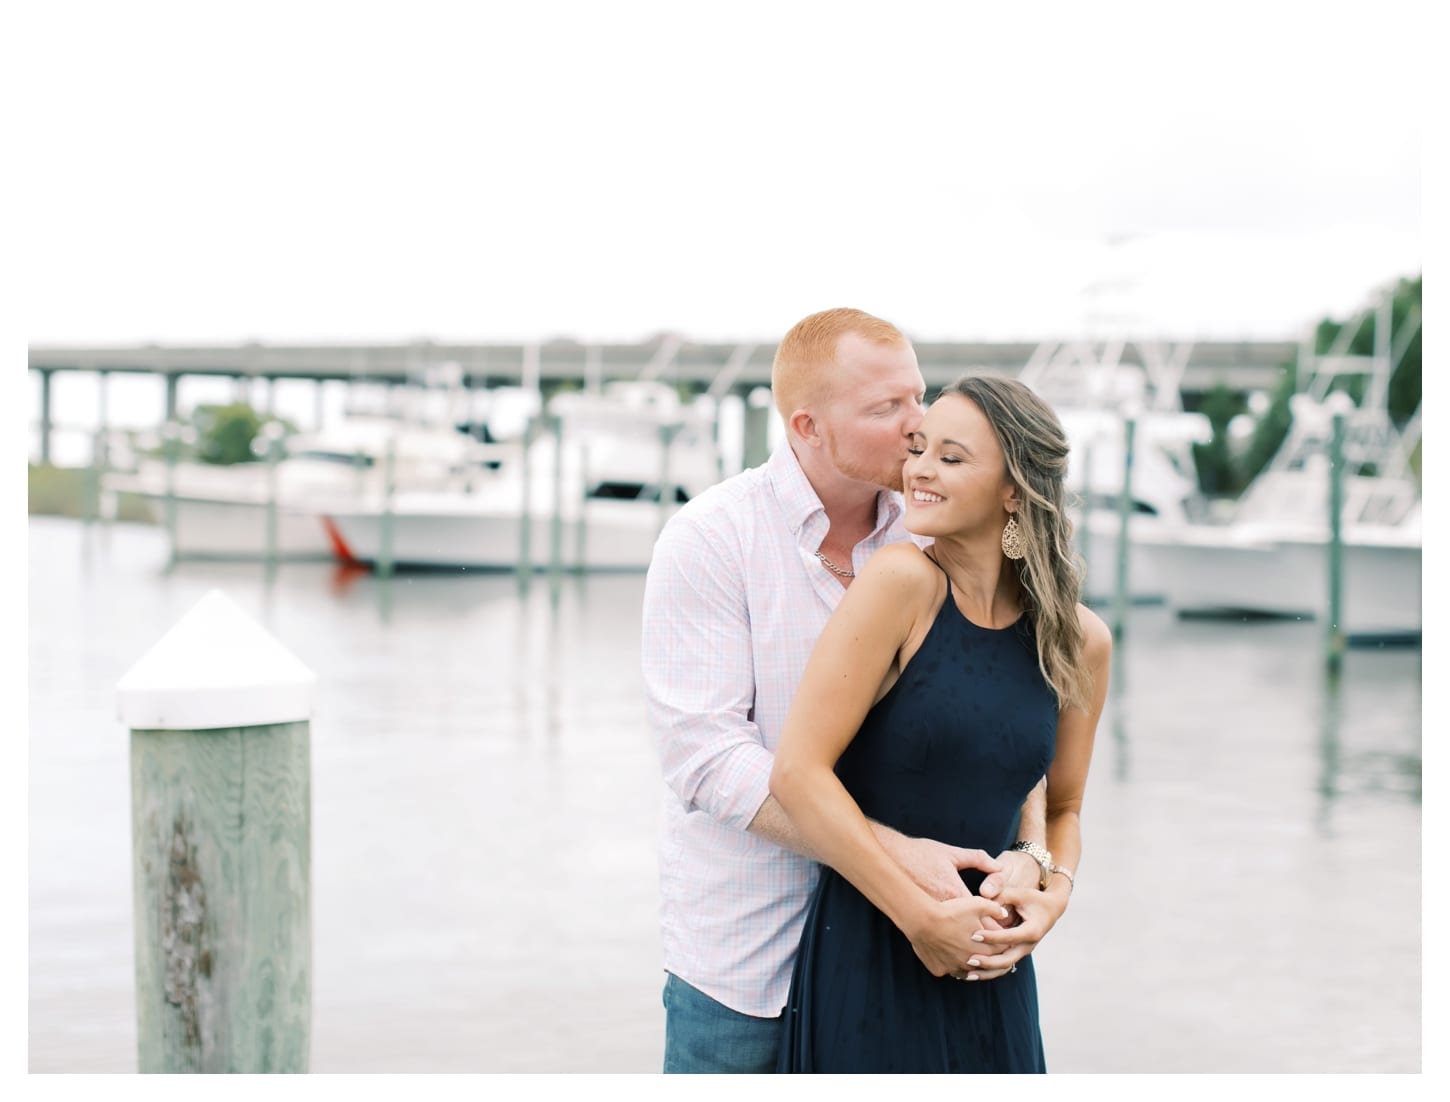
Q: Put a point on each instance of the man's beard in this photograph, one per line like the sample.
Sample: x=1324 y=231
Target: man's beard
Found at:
x=886 y=476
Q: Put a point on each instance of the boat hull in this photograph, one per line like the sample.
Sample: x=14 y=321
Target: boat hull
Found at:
x=607 y=535
x=1216 y=573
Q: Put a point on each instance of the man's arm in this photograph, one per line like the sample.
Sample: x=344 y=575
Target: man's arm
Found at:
x=699 y=676
x=935 y=866
x=1019 y=870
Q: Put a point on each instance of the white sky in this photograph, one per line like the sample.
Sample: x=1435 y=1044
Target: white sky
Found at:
x=357 y=171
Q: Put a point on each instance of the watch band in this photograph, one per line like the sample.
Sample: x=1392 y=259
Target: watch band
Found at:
x=1041 y=855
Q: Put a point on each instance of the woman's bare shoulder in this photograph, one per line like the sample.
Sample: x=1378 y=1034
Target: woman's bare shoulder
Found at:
x=902 y=574
x=904 y=558
x=1097 y=638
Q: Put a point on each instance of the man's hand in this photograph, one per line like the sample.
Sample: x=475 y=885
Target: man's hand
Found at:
x=1018 y=870
x=935 y=866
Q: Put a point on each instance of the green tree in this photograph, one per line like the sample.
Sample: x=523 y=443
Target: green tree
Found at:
x=1217 y=476
x=224 y=433
x=1405 y=306
x=1404 y=386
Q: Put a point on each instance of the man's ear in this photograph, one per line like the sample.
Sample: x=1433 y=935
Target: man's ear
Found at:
x=803 y=423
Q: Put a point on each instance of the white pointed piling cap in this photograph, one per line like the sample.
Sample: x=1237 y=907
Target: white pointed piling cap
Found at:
x=217 y=667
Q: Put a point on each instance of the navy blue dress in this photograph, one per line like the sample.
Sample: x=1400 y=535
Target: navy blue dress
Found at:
x=950 y=752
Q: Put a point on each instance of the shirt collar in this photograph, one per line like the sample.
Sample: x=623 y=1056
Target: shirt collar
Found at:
x=802 y=506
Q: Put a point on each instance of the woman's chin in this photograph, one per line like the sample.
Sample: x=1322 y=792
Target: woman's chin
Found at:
x=918 y=526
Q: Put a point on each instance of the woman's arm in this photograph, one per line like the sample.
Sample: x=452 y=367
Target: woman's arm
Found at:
x=884 y=608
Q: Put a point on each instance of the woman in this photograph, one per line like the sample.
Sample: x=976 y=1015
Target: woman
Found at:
x=945 y=685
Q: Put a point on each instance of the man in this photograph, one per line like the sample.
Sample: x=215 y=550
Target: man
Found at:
x=742 y=581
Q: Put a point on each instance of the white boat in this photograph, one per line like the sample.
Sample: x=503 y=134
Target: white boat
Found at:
x=1273 y=556
x=586 y=497
x=224 y=511
x=1094 y=391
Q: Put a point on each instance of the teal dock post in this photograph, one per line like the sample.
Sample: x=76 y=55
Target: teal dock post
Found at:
x=385 y=521
x=582 y=527
x=47 y=418
x=756 y=444
x=667 y=432
x=360 y=469
x=1335 y=639
x=1085 y=504
x=556 y=521
x=270 y=443
x=219 y=718
x=1125 y=512
x=91 y=481
x=170 y=447
x=526 y=512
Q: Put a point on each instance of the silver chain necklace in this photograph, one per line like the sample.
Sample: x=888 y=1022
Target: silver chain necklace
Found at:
x=833 y=568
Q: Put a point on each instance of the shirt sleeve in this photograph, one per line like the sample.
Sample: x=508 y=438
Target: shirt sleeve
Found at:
x=699 y=674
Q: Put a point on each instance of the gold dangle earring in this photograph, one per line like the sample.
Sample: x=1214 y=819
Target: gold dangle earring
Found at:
x=1013 y=545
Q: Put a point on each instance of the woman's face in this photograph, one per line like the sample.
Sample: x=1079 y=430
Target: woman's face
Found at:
x=955 y=479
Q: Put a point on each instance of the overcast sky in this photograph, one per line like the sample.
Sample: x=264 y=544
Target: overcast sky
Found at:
x=484 y=171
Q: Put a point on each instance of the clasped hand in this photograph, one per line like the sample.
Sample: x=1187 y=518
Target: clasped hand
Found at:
x=977 y=937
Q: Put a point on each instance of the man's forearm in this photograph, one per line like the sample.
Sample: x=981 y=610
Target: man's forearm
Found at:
x=774 y=825
x=1032 y=825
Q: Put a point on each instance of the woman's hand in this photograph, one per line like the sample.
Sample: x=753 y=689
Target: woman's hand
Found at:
x=998 y=950
x=943 y=939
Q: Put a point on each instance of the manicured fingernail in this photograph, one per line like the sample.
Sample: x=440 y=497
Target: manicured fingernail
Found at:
x=1004 y=912
x=978 y=937
x=972 y=976
x=974 y=963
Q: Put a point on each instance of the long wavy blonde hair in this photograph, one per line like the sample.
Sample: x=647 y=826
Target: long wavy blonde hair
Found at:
x=1050 y=572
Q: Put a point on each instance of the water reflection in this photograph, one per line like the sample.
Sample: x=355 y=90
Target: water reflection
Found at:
x=1118 y=717
x=1359 y=769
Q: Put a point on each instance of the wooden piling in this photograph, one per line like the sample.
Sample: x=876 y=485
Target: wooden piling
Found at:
x=221 y=842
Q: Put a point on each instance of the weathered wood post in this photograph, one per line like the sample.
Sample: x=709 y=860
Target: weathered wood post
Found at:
x=221 y=846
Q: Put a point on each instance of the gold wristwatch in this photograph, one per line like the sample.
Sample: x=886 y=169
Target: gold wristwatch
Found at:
x=1042 y=856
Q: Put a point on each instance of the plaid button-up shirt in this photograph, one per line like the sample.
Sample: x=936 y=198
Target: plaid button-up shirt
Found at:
x=734 y=601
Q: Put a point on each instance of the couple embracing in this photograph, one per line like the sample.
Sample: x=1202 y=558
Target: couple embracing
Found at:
x=873 y=692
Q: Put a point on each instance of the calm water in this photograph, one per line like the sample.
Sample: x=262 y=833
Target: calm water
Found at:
x=485 y=799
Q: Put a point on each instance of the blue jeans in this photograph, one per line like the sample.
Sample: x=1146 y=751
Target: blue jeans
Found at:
x=702 y=1035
